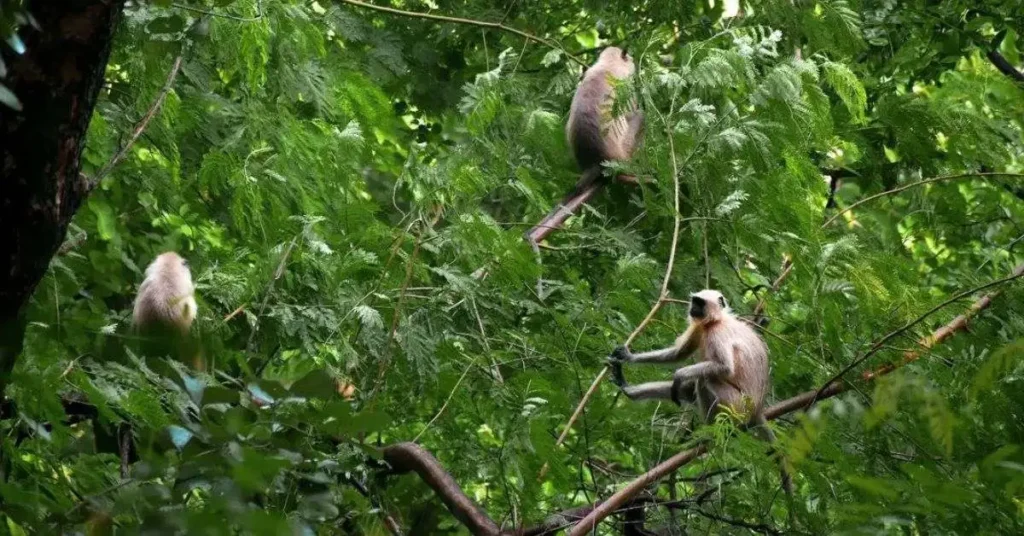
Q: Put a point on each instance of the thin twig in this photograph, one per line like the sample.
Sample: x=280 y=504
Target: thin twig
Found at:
x=234 y=313
x=495 y=371
x=471 y=22
x=72 y=243
x=755 y=527
x=957 y=324
x=445 y=405
x=875 y=348
x=398 y=306
x=919 y=183
x=393 y=527
x=236 y=18
x=787 y=267
x=266 y=299
x=650 y=315
x=94 y=181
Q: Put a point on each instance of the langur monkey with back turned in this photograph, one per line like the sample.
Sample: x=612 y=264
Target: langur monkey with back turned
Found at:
x=162 y=319
x=595 y=134
x=732 y=372
x=166 y=307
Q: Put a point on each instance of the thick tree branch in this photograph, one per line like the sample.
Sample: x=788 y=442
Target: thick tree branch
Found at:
x=410 y=457
x=796 y=403
x=1000 y=61
x=1005 y=66
x=557 y=217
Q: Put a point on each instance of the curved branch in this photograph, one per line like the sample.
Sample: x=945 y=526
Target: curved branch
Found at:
x=410 y=457
x=919 y=183
x=470 y=22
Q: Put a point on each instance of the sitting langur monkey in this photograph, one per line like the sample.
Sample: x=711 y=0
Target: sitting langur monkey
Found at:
x=166 y=307
x=164 y=311
x=595 y=134
x=732 y=372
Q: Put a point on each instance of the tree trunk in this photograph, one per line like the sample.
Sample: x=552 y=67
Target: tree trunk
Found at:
x=57 y=80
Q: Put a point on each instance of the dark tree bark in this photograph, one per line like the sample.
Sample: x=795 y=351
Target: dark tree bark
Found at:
x=57 y=80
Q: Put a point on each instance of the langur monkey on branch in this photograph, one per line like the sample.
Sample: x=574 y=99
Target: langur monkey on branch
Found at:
x=166 y=307
x=162 y=319
x=732 y=372
x=595 y=134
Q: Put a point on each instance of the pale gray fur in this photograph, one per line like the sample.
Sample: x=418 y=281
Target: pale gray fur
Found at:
x=732 y=370
x=593 y=133
x=166 y=297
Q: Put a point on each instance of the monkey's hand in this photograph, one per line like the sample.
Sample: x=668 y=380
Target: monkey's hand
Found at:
x=621 y=354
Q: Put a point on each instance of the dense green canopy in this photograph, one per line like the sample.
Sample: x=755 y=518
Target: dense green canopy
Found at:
x=351 y=184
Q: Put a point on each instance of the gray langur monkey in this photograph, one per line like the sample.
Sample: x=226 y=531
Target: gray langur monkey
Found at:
x=593 y=131
x=166 y=307
x=732 y=371
x=596 y=134
x=162 y=320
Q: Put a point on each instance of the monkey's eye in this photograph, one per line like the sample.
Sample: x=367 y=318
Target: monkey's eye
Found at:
x=721 y=301
x=697 y=300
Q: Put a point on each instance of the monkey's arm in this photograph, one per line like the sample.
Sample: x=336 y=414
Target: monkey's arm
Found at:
x=634 y=131
x=685 y=345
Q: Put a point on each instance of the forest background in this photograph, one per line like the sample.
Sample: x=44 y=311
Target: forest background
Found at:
x=350 y=183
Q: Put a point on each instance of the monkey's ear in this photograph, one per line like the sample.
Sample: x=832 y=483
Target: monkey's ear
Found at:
x=721 y=301
x=624 y=52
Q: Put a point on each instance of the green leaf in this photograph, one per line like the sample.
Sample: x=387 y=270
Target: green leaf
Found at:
x=316 y=384
x=1000 y=363
x=166 y=25
x=9 y=99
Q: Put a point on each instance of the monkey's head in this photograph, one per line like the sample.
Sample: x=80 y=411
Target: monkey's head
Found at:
x=708 y=306
x=170 y=265
x=617 y=60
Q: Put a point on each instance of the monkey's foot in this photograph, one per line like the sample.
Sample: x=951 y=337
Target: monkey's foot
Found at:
x=617 y=377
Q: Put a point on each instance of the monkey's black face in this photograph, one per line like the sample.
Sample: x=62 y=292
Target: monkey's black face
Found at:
x=697 y=307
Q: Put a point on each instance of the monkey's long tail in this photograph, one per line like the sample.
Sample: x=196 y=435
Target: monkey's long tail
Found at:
x=585 y=188
x=761 y=426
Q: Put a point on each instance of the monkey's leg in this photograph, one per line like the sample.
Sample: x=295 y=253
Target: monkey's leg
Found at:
x=653 y=390
x=704 y=370
x=649 y=391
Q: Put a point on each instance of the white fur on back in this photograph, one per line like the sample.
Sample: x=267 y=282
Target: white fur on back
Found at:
x=610 y=65
x=166 y=296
